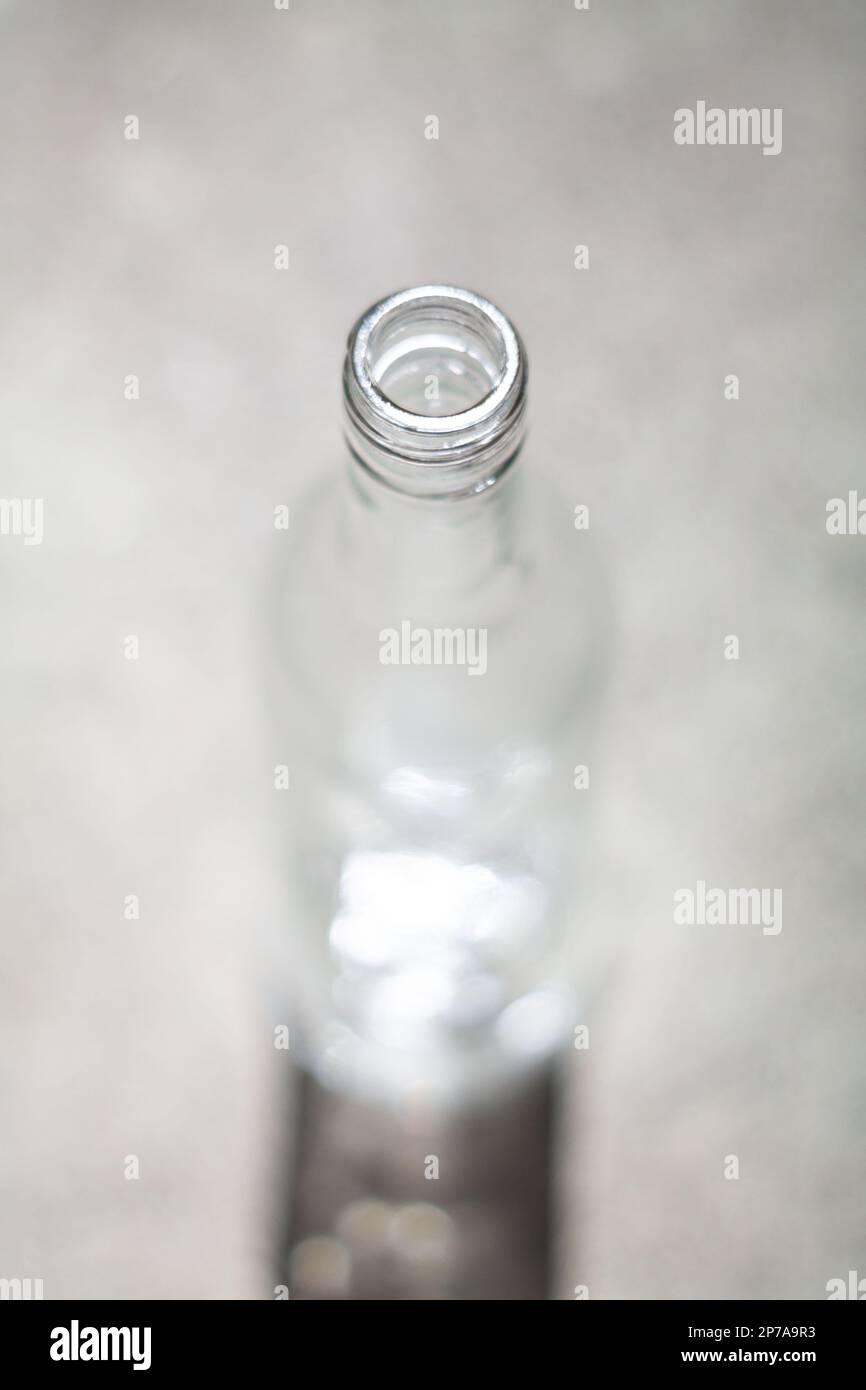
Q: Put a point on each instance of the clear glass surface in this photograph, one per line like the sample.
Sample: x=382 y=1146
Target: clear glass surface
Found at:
x=439 y=649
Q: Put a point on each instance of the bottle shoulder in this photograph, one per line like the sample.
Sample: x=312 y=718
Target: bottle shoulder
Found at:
x=538 y=624
x=552 y=550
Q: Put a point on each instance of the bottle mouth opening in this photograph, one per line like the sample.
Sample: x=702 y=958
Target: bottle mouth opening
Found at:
x=435 y=357
x=434 y=387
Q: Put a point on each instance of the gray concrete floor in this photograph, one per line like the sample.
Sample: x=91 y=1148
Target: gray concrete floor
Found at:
x=155 y=258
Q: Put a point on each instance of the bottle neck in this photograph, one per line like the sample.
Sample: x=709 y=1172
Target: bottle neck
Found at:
x=420 y=548
x=434 y=392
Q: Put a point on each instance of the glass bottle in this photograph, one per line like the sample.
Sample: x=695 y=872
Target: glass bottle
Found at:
x=439 y=647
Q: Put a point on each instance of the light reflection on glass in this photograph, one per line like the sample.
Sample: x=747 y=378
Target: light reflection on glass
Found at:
x=420 y=942
x=416 y=789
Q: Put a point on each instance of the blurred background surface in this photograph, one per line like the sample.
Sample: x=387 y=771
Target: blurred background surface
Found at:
x=155 y=257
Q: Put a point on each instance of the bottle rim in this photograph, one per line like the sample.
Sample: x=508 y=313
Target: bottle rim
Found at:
x=435 y=454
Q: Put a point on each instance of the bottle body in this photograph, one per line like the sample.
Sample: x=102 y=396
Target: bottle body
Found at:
x=440 y=664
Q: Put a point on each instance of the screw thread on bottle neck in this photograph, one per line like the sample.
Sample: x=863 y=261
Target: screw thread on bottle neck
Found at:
x=435 y=392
